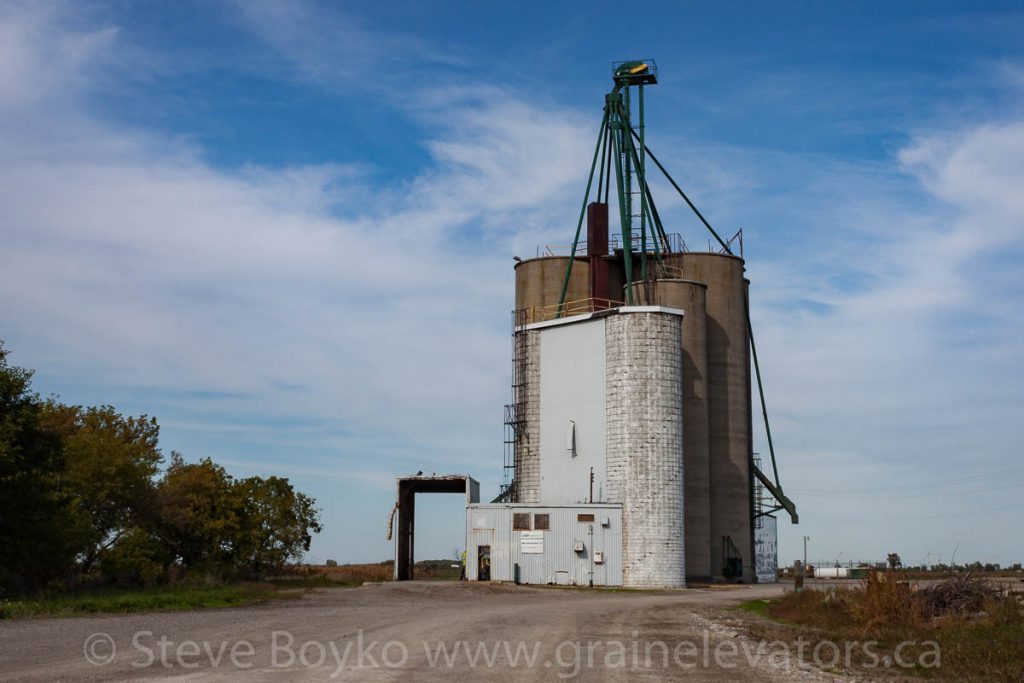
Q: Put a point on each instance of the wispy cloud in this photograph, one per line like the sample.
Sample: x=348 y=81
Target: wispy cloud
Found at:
x=335 y=48
x=129 y=262
x=326 y=322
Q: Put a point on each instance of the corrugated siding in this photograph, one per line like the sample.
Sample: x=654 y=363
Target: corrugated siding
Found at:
x=559 y=563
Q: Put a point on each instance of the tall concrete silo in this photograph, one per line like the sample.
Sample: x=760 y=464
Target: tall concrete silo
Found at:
x=645 y=430
x=690 y=296
x=729 y=409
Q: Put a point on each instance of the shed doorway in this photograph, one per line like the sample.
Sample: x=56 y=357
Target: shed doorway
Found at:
x=483 y=563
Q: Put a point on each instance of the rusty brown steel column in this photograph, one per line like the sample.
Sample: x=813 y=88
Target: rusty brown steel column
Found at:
x=597 y=250
x=750 y=430
x=729 y=408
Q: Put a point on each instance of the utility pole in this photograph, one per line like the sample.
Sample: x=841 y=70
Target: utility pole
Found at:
x=806 y=538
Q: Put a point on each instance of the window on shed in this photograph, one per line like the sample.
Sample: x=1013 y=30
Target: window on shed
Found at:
x=542 y=522
x=521 y=521
x=585 y=517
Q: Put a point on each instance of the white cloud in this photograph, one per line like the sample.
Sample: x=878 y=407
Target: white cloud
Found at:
x=39 y=66
x=888 y=322
x=332 y=47
x=379 y=302
x=912 y=377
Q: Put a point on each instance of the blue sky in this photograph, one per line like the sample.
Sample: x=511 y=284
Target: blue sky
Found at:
x=286 y=230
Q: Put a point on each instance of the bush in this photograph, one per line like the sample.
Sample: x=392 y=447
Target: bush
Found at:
x=136 y=558
x=885 y=604
x=81 y=502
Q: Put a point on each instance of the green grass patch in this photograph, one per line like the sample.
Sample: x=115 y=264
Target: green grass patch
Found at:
x=163 y=598
x=759 y=607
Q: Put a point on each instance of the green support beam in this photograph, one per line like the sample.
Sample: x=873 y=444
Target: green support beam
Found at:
x=583 y=212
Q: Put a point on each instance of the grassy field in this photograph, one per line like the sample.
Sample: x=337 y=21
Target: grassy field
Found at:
x=977 y=628
x=289 y=584
x=161 y=598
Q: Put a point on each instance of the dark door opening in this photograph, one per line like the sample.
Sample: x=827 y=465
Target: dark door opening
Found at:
x=483 y=563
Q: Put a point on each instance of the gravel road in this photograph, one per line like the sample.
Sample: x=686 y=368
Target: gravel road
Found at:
x=411 y=631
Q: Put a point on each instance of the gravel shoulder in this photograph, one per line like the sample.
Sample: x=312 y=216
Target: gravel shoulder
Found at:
x=412 y=631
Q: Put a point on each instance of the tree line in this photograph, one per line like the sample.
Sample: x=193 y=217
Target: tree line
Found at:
x=84 y=499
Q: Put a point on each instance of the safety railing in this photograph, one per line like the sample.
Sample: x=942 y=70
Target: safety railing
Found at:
x=674 y=242
x=732 y=241
x=537 y=314
x=564 y=249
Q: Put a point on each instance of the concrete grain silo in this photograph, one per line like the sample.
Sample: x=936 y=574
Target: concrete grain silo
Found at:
x=730 y=445
x=690 y=296
x=632 y=387
x=644 y=443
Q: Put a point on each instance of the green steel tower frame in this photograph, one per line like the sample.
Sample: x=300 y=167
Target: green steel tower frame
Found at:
x=622 y=145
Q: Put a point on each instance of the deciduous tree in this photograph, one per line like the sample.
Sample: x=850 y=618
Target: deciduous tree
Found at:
x=109 y=464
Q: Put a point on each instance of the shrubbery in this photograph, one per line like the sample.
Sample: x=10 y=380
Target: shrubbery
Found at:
x=978 y=626
x=83 y=500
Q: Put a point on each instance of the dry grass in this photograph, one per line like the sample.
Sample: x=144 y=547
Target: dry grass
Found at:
x=886 y=607
x=358 y=572
x=979 y=627
x=431 y=570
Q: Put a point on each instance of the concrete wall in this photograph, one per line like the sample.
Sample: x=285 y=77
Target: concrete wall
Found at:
x=572 y=397
x=558 y=563
x=527 y=456
x=645 y=444
x=691 y=297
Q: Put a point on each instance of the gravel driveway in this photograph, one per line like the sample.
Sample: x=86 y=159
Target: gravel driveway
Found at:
x=411 y=631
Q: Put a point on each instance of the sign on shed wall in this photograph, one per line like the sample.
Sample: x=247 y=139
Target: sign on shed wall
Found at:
x=531 y=542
